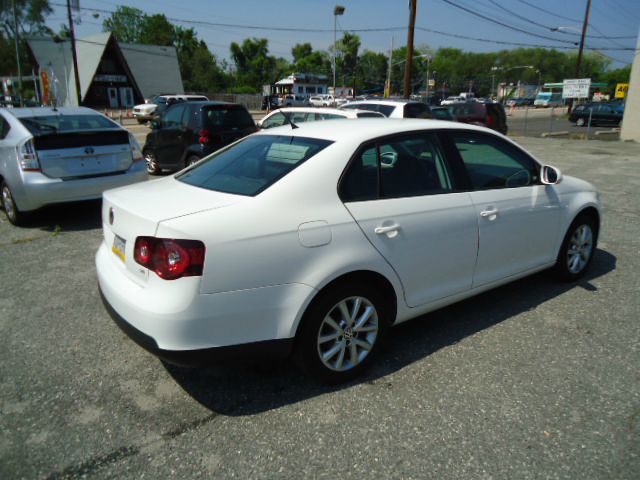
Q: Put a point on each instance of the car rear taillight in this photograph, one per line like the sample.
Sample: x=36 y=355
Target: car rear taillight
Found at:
x=27 y=157
x=136 y=151
x=169 y=258
x=489 y=121
x=204 y=136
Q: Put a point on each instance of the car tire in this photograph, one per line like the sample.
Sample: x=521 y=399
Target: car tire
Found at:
x=191 y=160
x=334 y=344
x=580 y=122
x=577 y=248
x=152 y=163
x=14 y=215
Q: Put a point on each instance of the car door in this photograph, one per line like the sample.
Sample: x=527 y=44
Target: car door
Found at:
x=171 y=135
x=518 y=217
x=403 y=195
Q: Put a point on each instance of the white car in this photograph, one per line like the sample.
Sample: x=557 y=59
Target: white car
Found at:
x=297 y=115
x=392 y=108
x=453 y=100
x=158 y=104
x=321 y=101
x=64 y=154
x=316 y=239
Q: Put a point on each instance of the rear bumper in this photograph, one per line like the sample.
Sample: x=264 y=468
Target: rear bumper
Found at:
x=247 y=352
x=176 y=322
x=35 y=190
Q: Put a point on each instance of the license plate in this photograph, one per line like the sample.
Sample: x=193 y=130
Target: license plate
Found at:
x=118 y=247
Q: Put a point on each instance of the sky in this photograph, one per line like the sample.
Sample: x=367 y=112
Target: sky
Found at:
x=471 y=25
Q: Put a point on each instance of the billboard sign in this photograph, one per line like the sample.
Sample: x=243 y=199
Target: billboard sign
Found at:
x=621 y=90
x=576 y=88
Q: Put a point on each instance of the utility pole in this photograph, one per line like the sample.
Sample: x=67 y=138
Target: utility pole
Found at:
x=74 y=56
x=581 y=48
x=409 y=65
x=387 y=89
x=16 y=38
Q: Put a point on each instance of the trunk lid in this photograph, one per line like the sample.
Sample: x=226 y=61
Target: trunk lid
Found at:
x=83 y=154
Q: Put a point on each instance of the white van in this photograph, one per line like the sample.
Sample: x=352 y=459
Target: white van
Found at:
x=548 y=99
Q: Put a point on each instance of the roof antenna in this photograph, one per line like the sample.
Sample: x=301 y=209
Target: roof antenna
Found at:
x=287 y=117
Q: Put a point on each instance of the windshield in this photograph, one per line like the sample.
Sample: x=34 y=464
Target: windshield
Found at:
x=253 y=164
x=46 y=124
x=543 y=96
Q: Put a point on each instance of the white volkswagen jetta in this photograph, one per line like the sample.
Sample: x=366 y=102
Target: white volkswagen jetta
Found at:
x=314 y=240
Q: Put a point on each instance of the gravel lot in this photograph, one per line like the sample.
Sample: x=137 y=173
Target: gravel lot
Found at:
x=533 y=380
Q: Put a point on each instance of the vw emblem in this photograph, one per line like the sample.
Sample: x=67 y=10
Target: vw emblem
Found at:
x=111 y=216
x=89 y=150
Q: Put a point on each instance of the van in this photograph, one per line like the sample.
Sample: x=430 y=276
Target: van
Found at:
x=548 y=99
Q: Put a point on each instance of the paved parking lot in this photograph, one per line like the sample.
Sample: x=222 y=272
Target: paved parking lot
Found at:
x=533 y=380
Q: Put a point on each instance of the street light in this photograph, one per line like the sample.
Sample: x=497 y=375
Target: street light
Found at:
x=337 y=10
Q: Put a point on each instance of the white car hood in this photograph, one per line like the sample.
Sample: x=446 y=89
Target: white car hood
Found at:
x=167 y=198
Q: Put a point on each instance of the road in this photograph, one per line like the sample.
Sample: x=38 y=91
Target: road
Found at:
x=537 y=379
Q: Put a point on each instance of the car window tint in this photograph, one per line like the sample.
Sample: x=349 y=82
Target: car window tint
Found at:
x=329 y=116
x=417 y=110
x=386 y=110
x=494 y=163
x=368 y=115
x=4 y=127
x=47 y=124
x=173 y=117
x=226 y=117
x=404 y=167
x=275 y=120
x=253 y=164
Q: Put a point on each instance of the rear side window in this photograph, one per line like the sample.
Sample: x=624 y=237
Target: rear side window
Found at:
x=4 y=127
x=47 y=124
x=227 y=117
x=253 y=164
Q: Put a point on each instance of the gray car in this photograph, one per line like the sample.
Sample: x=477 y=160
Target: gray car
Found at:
x=56 y=155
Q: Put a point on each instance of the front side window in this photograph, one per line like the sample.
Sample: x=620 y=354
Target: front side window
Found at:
x=494 y=163
x=253 y=164
x=173 y=117
x=407 y=166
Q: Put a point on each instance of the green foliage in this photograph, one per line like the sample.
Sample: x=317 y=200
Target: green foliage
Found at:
x=157 y=30
x=254 y=66
x=125 y=24
x=30 y=14
x=307 y=61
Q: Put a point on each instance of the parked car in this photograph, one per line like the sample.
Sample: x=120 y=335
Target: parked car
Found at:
x=292 y=101
x=519 y=102
x=548 y=99
x=393 y=108
x=188 y=131
x=452 y=100
x=158 y=104
x=297 y=115
x=597 y=114
x=66 y=154
x=321 y=101
x=491 y=115
x=314 y=240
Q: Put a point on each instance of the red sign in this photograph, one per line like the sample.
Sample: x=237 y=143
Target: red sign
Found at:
x=44 y=87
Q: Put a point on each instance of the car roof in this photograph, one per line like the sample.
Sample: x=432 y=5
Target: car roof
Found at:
x=337 y=111
x=366 y=128
x=385 y=101
x=48 y=111
x=211 y=103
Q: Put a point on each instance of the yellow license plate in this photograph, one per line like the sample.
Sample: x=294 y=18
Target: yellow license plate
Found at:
x=118 y=247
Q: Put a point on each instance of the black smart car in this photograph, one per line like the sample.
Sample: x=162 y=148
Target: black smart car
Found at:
x=189 y=131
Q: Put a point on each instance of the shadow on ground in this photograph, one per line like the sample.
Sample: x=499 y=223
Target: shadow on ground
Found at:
x=76 y=216
x=236 y=390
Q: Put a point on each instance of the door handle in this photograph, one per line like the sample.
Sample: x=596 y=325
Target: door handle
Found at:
x=392 y=230
x=489 y=213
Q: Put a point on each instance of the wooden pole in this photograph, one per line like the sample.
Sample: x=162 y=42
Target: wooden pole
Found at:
x=409 y=64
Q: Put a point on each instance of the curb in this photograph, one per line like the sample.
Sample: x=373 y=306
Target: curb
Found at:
x=554 y=134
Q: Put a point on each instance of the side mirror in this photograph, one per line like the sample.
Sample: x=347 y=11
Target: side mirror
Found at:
x=550 y=175
x=156 y=124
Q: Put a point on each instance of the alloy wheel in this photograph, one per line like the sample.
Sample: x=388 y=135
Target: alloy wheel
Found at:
x=579 y=249
x=347 y=334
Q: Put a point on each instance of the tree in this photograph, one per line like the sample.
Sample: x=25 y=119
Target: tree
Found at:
x=157 y=30
x=305 y=60
x=198 y=67
x=348 y=47
x=30 y=14
x=372 y=72
x=126 y=24
x=254 y=66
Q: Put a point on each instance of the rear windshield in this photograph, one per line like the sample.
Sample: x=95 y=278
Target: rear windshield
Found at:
x=45 y=125
x=417 y=110
x=227 y=117
x=253 y=164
